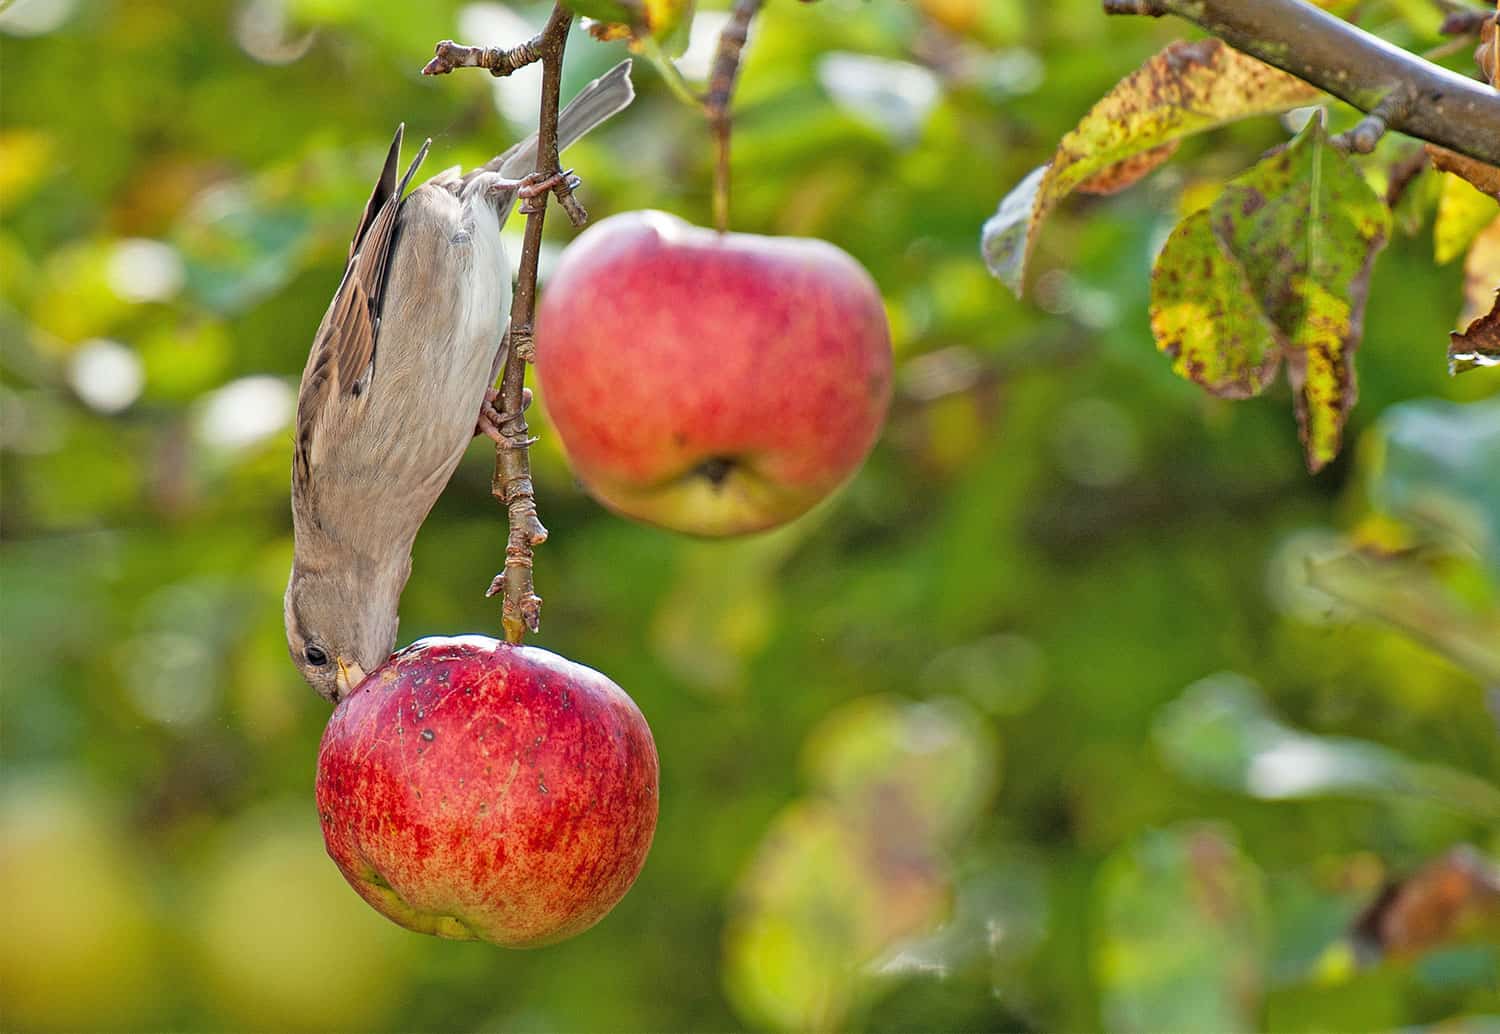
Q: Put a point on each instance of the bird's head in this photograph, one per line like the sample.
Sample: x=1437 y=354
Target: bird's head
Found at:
x=337 y=629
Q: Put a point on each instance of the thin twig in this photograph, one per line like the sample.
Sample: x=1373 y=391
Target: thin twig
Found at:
x=521 y=607
x=1464 y=21
x=500 y=61
x=1342 y=59
x=1402 y=174
x=716 y=102
x=1366 y=133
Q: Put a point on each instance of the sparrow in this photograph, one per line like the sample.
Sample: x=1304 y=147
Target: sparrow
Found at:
x=405 y=358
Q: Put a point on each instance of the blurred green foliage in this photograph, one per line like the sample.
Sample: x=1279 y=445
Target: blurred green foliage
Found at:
x=1041 y=724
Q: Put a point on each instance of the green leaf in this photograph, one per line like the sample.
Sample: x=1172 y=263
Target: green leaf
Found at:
x=1437 y=471
x=1188 y=88
x=671 y=24
x=859 y=865
x=1293 y=240
x=819 y=900
x=622 y=12
x=1220 y=732
x=934 y=761
x=1181 y=933
x=1407 y=593
x=646 y=23
x=1307 y=227
x=1321 y=367
x=1204 y=315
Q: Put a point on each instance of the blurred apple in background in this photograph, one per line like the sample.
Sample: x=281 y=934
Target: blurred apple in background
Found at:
x=710 y=383
x=280 y=941
x=477 y=790
x=78 y=947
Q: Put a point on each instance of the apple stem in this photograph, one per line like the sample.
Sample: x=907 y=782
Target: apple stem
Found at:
x=511 y=485
x=716 y=102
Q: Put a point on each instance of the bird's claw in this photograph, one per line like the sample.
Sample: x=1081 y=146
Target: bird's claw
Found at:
x=491 y=419
x=535 y=184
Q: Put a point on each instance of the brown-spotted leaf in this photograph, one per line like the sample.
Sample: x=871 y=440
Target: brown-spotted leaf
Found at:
x=1449 y=898
x=1482 y=175
x=609 y=32
x=1306 y=226
x=1487 y=54
x=640 y=21
x=1207 y=318
x=1479 y=345
x=1124 y=174
x=1187 y=88
x=1321 y=368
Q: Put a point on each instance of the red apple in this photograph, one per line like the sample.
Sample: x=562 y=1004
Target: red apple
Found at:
x=477 y=790
x=711 y=383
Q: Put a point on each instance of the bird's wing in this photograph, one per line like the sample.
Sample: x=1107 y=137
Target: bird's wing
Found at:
x=601 y=99
x=606 y=96
x=342 y=360
x=448 y=178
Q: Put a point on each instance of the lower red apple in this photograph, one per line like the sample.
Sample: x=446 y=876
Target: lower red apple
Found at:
x=712 y=383
x=477 y=790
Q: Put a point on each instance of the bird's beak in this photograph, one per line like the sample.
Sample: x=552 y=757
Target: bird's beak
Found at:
x=349 y=676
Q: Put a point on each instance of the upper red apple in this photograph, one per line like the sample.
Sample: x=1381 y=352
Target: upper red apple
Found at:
x=473 y=789
x=711 y=383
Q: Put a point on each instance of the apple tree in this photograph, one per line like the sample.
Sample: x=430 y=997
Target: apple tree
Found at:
x=1273 y=271
x=1268 y=270
x=1140 y=678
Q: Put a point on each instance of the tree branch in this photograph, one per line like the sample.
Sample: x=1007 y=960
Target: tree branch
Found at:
x=500 y=61
x=1430 y=102
x=521 y=607
x=1402 y=173
x=1465 y=21
x=1368 y=131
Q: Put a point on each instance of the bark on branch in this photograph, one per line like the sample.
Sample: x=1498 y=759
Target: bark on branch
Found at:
x=521 y=607
x=500 y=61
x=1413 y=96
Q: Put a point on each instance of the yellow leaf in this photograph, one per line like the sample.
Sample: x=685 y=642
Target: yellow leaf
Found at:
x=1463 y=210
x=1481 y=274
x=1188 y=88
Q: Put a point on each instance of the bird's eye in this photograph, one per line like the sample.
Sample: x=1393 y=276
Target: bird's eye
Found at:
x=315 y=656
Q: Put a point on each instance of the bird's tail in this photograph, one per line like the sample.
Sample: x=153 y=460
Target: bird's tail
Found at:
x=606 y=96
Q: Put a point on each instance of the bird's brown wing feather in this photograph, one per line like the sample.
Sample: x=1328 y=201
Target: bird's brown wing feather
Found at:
x=341 y=365
x=385 y=187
